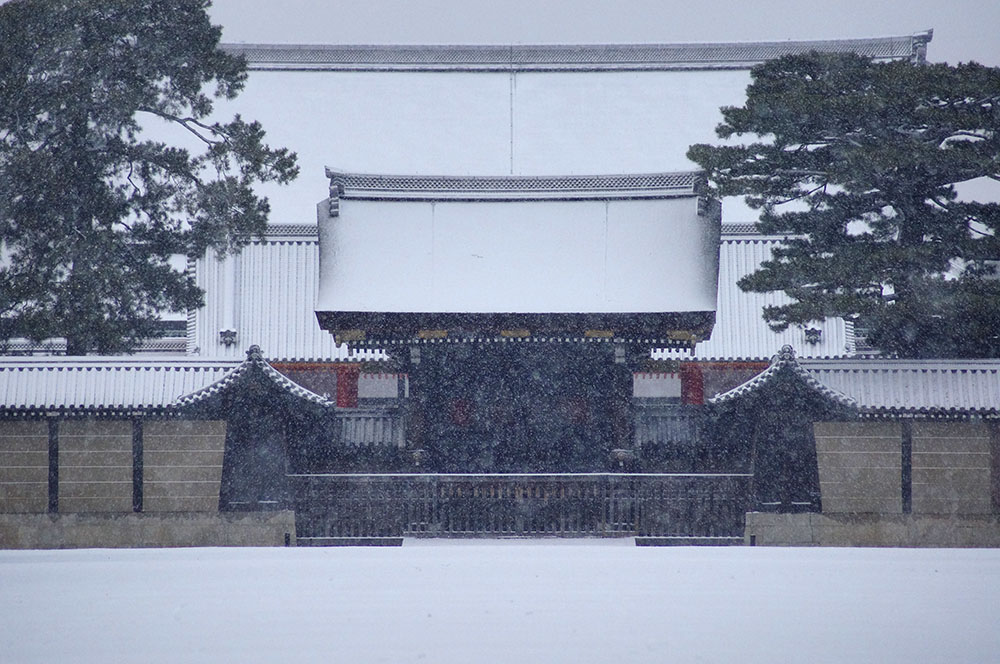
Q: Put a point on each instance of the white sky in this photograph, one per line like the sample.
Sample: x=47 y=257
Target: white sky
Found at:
x=963 y=29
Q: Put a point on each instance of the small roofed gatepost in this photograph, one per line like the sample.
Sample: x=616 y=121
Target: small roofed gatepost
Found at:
x=770 y=420
x=518 y=305
x=269 y=419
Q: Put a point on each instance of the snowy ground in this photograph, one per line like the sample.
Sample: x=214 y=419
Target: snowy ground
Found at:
x=504 y=601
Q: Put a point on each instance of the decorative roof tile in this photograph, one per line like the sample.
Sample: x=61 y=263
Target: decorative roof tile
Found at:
x=560 y=57
x=512 y=187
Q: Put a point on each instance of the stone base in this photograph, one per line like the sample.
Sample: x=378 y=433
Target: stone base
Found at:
x=909 y=530
x=73 y=531
x=350 y=541
x=688 y=541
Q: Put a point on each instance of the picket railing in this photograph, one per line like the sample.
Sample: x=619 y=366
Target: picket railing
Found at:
x=345 y=506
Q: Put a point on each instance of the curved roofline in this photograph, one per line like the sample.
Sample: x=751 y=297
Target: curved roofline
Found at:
x=254 y=361
x=561 y=57
x=784 y=360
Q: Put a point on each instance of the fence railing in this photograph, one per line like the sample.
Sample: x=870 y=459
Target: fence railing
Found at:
x=343 y=506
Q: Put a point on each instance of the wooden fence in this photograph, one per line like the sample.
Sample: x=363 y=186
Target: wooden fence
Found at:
x=334 y=507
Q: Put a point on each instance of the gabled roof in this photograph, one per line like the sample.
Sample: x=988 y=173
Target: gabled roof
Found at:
x=126 y=384
x=559 y=57
x=784 y=363
x=255 y=363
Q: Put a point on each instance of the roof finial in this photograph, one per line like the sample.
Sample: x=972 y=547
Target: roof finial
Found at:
x=785 y=356
x=254 y=354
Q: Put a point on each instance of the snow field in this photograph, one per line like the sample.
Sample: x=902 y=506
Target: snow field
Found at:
x=500 y=601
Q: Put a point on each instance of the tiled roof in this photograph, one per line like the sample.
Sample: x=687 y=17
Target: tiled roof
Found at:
x=102 y=383
x=740 y=331
x=784 y=362
x=559 y=57
x=913 y=386
x=106 y=384
x=254 y=362
x=891 y=387
x=511 y=187
x=267 y=294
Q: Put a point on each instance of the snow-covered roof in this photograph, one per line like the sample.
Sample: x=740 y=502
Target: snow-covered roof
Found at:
x=740 y=331
x=933 y=387
x=267 y=295
x=103 y=383
x=254 y=363
x=558 y=57
x=125 y=384
x=785 y=363
x=879 y=387
x=500 y=109
x=605 y=247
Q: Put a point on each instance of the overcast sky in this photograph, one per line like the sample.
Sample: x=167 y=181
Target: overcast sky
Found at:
x=963 y=29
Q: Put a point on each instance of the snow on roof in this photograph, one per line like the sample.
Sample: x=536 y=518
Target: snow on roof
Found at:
x=740 y=331
x=102 y=382
x=559 y=57
x=783 y=363
x=115 y=384
x=267 y=295
x=913 y=386
x=889 y=386
x=620 y=244
x=254 y=362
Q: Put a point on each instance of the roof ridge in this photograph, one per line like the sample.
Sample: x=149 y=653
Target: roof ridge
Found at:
x=254 y=360
x=562 y=57
x=784 y=360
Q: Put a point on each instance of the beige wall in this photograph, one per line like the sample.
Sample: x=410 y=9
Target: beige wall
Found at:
x=952 y=463
x=95 y=466
x=24 y=466
x=182 y=465
x=859 y=466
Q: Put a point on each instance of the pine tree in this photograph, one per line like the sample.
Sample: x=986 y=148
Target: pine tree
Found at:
x=857 y=162
x=91 y=208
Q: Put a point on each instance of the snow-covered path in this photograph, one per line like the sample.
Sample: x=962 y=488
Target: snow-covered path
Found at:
x=504 y=601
